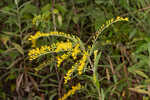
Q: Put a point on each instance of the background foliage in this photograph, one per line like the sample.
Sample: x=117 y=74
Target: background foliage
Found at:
x=124 y=64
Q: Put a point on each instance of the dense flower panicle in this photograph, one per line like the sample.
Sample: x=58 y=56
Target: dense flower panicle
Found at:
x=60 y=59
x=63 y=46
x=34 y=53
x=40 y=34
x=75 y=51
x=82 y=62
x=108 y=23
x=60 y=46
x=55 y=33
x=71 y=92
x=68 y=75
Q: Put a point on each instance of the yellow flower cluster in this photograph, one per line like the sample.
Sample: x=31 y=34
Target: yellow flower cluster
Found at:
x=60 y=59
x=35 y=53
x=71 y=92
x=80 y=67
x=40 y=34
x=108 y=23
x=63 y=46
x=60 y=46
x=75 y=51
x=82 y=62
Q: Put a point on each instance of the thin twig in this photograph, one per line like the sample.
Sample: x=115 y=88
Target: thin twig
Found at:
x=59 y=86
x=53 y=15
x=111 y=65
x=124 y=65
x=75 y=13
x=139 y=10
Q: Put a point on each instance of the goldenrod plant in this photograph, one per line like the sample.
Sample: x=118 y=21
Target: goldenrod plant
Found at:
x=74 y=48
x=48 y=46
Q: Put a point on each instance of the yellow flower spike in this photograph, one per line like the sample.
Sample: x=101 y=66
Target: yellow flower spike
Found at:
x=82 y=62
x=34 y=53
x=60 y=46
x=106 y=25
x=68 y=75
x=61 y=34
x=94 y=78
x=75 y=51
x=71 y=92
x=60 y=59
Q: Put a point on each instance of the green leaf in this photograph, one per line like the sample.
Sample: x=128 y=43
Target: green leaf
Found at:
x=142 y=91
x=102 y=94
x=81 y=1
x=7 y=10
x=61 y=8
x=142 y=74
x=25 y=10
x=96 y=61
x=51 y=97
x=98 y=1
x=46 y=8
x=11 y=77
x=19 y=48
x=95 y=74
x=75 y=19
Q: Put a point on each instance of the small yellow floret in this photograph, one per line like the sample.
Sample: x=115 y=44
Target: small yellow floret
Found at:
x=71 y=92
